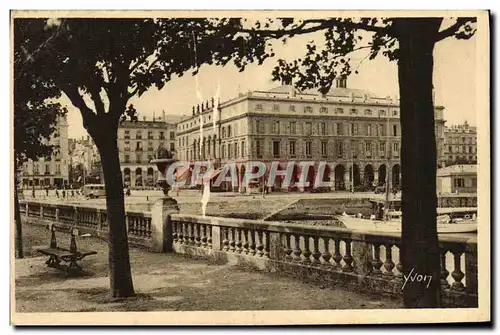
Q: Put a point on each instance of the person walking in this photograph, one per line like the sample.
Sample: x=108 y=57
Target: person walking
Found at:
x=64 y=193
x=57 y=193
x=47 y=191
x=33 y=192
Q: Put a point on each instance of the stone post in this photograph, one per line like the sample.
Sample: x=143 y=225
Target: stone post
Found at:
x=471 y=268
x=362 y=255
x=216 y=238
x=99 y=219
x=41 y=212
x=161 y=224
x=57 y=214
x=27 y=210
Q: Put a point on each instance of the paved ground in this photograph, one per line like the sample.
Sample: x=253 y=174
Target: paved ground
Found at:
x=168 y=282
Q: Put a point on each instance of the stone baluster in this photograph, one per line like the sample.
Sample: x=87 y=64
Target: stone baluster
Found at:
x=316 y=254
x=239 y=243
x=260 y=243
x=326 y=253
x=399 y=266
x=204 y=238
x=180 y=228
x=288 y=248
x=41 y=212
x=232 y=241
x=27 y=210
x=376 y=263
x=57 y=215
x=296 y=250
x=198 y=234
x=193 y=235
x=253 y=249
x=175 y=231
x=337 y=257
x=457 y=273
x=225 y=241
x=187 y=231
x=444 y=272
x=307 y=251
x=246 y=245
x=209 y=242
x=388 y=264
x=347 y=257
x=75 y=215
x=267 y=244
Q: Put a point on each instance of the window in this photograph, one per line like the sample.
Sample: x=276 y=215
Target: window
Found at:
x=172 y=135
x=138 y=135
x=323 y=110
x=223 y=132
x=162 y=136
x=292 y=148
x=243 y=149
x=58 y=168
x=308 y=148
x=450 y=148
x=382 y=149
x=179 y=142
x=276 y=149
x=340 y=129
x=368 y=112
x=223 y=153
x=229 y=131
x=150 y=135
x=339 y=111
x=394 y=112
x=308 y=128
x=308 y=109
x=47 y=169
x=459 y=182
x=368 y=149
x=276 y=127
x=368 y=130
x=381 y=130
x=259 y=107
x=258 y=148
x=127 y=159
x=172 y=146
x=339 y=149
x=276 y=108
x=354 y=129
x=324 y=148
x=381 y=113
x=292 y=108
x=354 y=111
x=138 y=146
x=396 y=147
x=229 y=150
x=394 y=130
x=293 y=127
x=259 y=127
x=322 y=128
x=470 y=150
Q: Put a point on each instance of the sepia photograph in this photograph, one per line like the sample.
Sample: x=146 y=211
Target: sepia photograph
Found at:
x=250 y=168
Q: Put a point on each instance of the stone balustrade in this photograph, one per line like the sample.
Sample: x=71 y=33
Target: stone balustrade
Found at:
x=330 y=256
x=89 y=219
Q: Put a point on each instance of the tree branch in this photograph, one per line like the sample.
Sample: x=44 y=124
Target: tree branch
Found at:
x=88 y=116
x=98 y=103
x=322 y=24
x=451 y=30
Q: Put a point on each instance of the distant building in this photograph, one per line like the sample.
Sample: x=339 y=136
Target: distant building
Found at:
x=84 y=160
x=137 y=145
x=460 y=145
x=356 y=132
x=54 y=171
x=457 y=178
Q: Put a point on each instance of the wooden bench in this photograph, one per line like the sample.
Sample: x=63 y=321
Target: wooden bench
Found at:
x=70 y=256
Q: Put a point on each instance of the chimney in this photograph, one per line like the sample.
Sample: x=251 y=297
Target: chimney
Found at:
x=193 y=110
x=163 y=117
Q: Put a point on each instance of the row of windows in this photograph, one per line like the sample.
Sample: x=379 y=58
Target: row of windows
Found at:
x=461 y=140
x=306 y=128
x=460 y=149
x=206 y=118
x=36 y=168
x=151 y=135
x=326 y=110
x=150 y=147
x=231 y=150
x=339 y=146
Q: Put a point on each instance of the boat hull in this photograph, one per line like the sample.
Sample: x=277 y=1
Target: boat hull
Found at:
x=395 y=226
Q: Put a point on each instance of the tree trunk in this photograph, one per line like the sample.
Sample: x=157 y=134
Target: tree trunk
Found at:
x=120 y=275
x=420 y=248
x=17 y=217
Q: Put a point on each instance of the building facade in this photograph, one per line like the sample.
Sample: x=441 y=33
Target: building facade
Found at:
x=53 y=172
x=85 y=161
x=137 y=144
x=357 y=133
x=457 y=179
x=460 y=145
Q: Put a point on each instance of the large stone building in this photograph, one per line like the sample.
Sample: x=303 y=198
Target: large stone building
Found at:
x=457 y=179
x=356 y=132
x=460 y=145
x=85 y=161
x=137 y=144
x=51 y=172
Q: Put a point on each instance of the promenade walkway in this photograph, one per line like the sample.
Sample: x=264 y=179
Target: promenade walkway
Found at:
x=166 y=282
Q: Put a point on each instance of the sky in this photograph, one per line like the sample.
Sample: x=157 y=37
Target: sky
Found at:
x=454 y=82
